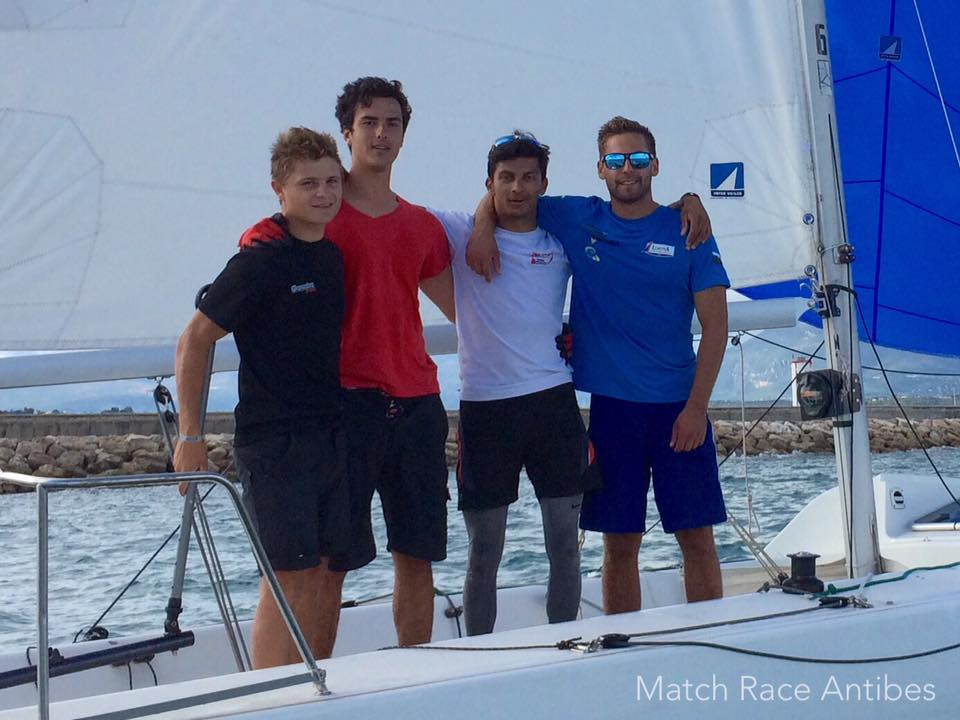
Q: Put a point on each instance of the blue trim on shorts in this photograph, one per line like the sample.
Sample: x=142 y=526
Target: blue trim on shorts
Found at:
x=632 y=445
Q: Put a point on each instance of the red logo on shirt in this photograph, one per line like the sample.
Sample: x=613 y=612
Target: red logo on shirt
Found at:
x=537 y=258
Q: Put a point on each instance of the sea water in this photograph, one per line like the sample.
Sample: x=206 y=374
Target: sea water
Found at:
x=100 y=538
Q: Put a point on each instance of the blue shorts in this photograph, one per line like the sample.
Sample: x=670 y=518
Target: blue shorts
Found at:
x=631 y=443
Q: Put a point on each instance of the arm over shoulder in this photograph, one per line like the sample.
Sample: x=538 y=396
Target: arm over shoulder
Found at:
x=457 y=226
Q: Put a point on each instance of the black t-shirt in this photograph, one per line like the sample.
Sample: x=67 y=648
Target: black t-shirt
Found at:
x=284 y=304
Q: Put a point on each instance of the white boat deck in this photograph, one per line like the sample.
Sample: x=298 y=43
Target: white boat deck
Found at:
x=918 y=613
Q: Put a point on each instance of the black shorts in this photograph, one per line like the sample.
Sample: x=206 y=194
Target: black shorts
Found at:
x=295 y=490
x=396 y=446
x=542 y=431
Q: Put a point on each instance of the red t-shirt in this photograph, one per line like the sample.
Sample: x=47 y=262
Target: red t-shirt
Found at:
x=384 y=260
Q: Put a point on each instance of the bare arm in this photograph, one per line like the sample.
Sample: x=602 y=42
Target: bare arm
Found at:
x=694 y=221
x=690 y=428
x=439 y=289
x=483 y=255
x=193 y=349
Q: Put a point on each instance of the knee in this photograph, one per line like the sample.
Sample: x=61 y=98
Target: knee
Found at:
x=484 y=546
x=564 y=549
x=412 y=568
x=293 y=583
x=697 y=541
x=332 y=579
x=621 y=547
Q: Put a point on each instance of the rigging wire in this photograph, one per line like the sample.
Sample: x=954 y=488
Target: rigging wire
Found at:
x=748 y=491
x=903 y=411
x=134 y=579
x=936 y=80
x=772 y=405
x=890 y=371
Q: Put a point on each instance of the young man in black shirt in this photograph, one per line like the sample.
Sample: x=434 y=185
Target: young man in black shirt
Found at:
x=284 y=303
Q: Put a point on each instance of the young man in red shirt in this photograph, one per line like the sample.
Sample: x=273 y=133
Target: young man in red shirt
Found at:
x=396 y=424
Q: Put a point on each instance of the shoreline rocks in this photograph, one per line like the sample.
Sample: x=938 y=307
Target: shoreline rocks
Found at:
x=132 y=454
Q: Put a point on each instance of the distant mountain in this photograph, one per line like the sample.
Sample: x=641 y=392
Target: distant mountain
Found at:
x=768 y=369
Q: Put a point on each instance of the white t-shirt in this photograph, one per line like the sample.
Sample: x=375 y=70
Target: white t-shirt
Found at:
x=506 y=329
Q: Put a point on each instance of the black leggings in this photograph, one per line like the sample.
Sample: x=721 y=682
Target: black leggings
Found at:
x=486 y=530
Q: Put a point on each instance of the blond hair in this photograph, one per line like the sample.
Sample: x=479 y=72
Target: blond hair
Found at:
x=296 y=144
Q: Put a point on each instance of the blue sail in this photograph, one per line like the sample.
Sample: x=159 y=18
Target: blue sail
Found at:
x=896 y=69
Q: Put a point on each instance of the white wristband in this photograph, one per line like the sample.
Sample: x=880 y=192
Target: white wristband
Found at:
x=190 y=438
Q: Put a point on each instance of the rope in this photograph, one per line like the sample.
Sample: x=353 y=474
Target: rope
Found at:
x=566 y=644
x=453 y=611
x=622 y=641
x=796 y=658
x=832 y=589
x=903 y=412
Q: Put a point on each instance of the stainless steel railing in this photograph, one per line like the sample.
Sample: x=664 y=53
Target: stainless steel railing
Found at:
x=44 y=486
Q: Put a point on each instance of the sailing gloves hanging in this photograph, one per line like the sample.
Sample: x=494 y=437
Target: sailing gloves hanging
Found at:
x=565 y=342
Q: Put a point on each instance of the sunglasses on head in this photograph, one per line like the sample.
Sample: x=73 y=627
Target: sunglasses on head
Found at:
x=616 y=161
x=518 y=136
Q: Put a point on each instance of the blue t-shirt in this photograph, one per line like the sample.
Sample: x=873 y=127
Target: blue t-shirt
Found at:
x=632 y=300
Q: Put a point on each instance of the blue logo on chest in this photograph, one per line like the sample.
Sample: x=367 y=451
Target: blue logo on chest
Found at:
x=659 y=249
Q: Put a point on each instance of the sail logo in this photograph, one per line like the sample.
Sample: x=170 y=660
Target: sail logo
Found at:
x=726 y=179
x=307 y=287
x=541 y=258
x=890 y=47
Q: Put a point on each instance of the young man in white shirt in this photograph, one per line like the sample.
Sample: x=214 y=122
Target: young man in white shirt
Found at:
x=518 y=407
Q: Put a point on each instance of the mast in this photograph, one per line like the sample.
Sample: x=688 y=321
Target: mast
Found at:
x=832 y=280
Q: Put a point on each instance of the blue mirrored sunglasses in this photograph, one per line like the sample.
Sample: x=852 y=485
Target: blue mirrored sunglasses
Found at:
x=638 y=160
x=517 y=136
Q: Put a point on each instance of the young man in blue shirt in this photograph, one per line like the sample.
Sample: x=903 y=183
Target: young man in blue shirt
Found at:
x=635 y=290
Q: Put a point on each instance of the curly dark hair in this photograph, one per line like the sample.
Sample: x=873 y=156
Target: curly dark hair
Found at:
x=524 y=145
x=619 y=126
x=362 y=91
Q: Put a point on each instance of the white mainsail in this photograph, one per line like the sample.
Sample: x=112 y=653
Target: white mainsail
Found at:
x=605 y=65
x=135 y=136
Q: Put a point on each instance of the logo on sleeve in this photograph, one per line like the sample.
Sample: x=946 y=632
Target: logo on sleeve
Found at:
x=541 y=258
x=307 y=287
x=658 y=249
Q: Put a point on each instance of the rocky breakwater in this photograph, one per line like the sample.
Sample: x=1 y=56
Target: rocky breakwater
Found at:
x=817 y=435
x=83 y=456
